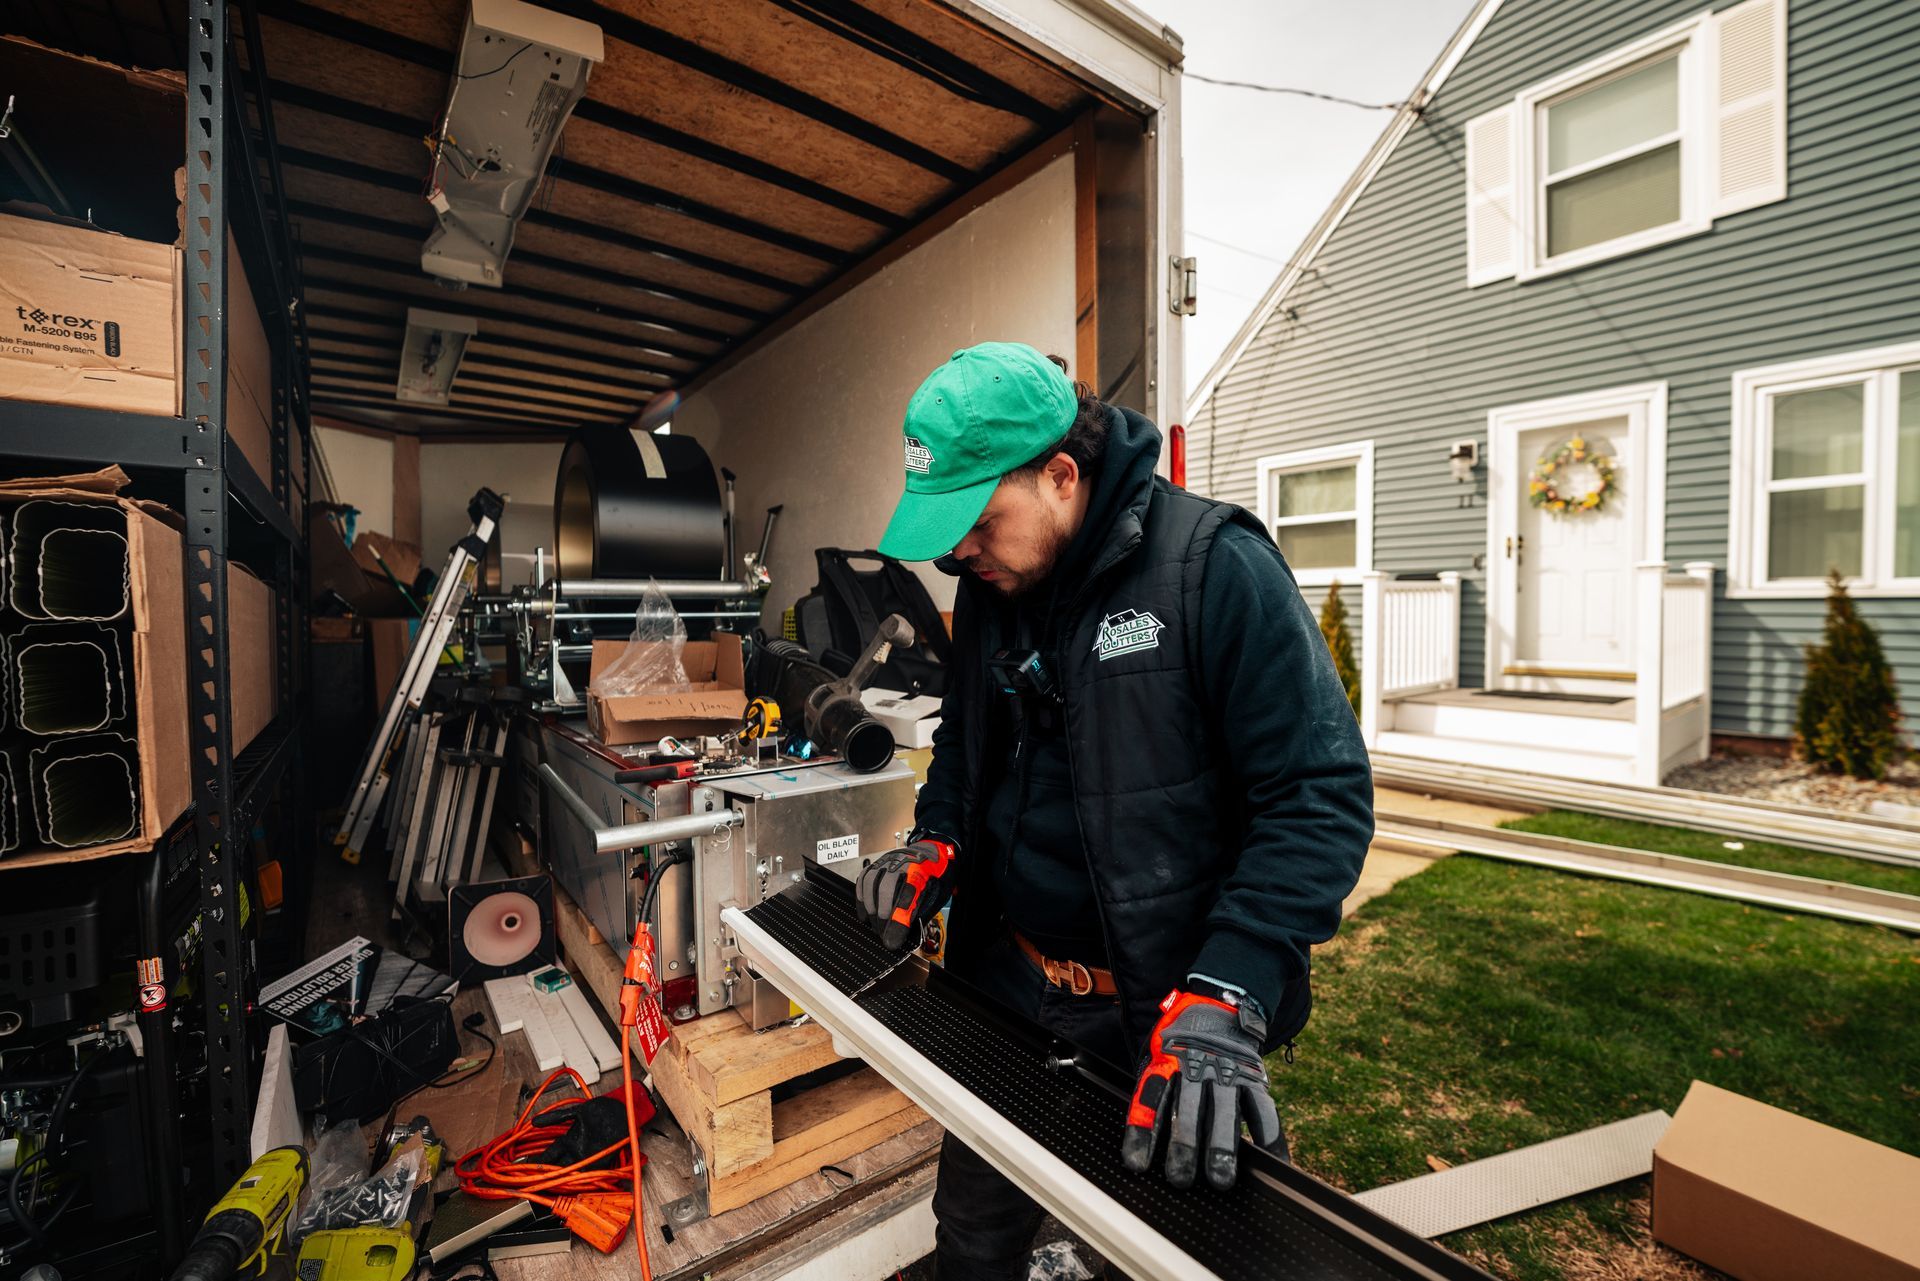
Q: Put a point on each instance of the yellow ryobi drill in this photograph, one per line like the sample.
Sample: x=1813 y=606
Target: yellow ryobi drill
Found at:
x=249 y=1223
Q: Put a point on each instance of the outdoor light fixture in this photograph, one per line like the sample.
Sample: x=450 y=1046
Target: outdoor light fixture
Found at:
x=520 y=73
x=1463 y=458
x=430 y=355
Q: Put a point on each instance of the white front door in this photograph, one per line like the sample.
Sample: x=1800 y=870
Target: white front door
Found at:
x=1573 y=581
x=1560 y=584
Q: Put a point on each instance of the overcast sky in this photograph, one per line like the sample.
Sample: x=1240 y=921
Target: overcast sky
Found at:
x=1261 y=168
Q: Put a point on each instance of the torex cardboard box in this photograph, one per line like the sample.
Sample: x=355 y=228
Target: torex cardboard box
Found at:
x=714 y=705
x=91 y=318
x=1765 y=1195
x=154 y=624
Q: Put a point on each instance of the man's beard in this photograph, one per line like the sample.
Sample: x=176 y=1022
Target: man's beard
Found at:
x=1051 y=550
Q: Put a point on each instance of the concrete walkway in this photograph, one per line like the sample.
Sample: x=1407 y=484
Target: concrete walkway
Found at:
x=1388 y=863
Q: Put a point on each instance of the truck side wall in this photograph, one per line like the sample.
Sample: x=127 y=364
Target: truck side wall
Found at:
x=812 y=420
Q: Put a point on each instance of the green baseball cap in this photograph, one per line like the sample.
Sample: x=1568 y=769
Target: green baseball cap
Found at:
x=989 y=409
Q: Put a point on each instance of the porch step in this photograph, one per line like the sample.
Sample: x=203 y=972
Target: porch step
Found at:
x=1602 y=728
x=1600 y=767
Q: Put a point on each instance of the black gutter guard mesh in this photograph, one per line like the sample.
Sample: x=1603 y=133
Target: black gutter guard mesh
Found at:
x=815 y=920
x=1256 y=1230
x=1250 y=1231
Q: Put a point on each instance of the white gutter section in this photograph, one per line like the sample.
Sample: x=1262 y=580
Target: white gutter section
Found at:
x=1123 y=1238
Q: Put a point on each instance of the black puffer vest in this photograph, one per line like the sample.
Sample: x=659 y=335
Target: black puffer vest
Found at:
x=1161 y=815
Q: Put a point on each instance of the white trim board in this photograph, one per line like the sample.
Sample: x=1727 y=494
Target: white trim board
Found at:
x=1360 y=454
x=1645 y=407
x=1748 y=470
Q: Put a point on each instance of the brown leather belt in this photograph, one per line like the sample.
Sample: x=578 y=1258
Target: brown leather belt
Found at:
x=1081 y=980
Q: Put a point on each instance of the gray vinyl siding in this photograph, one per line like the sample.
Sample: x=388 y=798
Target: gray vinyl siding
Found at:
x=1382 y=340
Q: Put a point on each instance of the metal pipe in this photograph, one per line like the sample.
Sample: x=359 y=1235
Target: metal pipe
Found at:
x=728 y=518
x=634 y=588
x=766 y=535
x=629 y=836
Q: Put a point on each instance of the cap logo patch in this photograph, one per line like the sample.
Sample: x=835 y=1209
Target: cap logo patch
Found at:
x=919 y=457
x=1127 y=631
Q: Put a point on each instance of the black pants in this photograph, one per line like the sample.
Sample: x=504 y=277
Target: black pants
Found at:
x=986 y=1224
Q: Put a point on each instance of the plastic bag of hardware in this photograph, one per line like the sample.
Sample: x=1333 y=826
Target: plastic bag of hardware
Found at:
x=650 y=664
x=1058 y=1261
x=380 y=1200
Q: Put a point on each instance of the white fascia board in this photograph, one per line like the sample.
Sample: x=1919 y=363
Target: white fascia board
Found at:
x=1302 y=259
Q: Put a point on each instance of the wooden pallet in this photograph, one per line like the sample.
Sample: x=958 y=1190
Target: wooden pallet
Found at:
x=718 y=1077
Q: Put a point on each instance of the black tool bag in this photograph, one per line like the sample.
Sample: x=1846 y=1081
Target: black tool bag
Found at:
x=839 y=618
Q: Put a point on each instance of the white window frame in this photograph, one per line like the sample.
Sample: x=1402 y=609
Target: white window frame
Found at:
x=1360 y=455
x=1693 y=133
x=1878 y=371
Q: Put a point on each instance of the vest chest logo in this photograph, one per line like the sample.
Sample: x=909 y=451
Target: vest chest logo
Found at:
x=919 y=457
x=1127 y=631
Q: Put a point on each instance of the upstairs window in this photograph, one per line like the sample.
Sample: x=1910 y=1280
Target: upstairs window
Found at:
x=1613 y=158
x=1652 y=142
x=1826 y=467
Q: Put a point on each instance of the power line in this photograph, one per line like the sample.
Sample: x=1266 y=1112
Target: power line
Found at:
x=1228 y=244
x=1299 y=93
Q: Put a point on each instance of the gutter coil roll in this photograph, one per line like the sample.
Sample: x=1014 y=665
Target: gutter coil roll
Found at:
x=623 y=509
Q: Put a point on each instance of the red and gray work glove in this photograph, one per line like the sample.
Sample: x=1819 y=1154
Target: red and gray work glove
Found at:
x=903 y=889
x=1203 y=1076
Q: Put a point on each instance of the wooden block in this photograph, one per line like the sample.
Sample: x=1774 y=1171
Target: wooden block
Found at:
x=736 y=1061
x=816 y=1128
x=734 y=1136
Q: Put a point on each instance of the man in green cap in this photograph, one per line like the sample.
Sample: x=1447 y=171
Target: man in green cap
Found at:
x=1148 y=795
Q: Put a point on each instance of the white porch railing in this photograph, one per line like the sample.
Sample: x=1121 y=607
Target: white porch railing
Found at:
x=1409 y=641
x=1672 y=709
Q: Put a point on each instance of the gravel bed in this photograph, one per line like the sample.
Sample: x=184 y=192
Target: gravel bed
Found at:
x=1797 y=783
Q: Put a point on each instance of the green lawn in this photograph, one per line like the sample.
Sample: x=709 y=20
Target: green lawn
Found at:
x=1481 y=1006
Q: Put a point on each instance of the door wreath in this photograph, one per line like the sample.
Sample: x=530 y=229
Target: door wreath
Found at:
x=1557 y=483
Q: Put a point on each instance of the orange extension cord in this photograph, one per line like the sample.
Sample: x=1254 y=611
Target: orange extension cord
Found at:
x=593 y=1203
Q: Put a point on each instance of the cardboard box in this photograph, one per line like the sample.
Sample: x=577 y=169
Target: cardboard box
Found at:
x=119 y=155
x=156 y=576
x=1765 y=1195
x=716 y=703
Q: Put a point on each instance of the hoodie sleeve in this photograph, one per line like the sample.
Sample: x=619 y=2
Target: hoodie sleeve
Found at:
x=942 y=805
x=1281 y=714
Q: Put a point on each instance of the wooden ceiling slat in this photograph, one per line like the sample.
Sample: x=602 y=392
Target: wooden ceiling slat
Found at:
x=316 y=69
x=907 y=48
x=474 y=378
x=583 y=209
x=343 y=333
x=383 y=287
x=400 y=244
x=567 y=238
x=457 y=418
x=526 y=289
x=495 y=402
x=606 y=136
x=351 y=302
x=779 y=46
x=654 y=86
x=1017 y=67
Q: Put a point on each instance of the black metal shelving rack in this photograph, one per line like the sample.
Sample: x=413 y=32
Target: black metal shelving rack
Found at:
x=231 y=513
